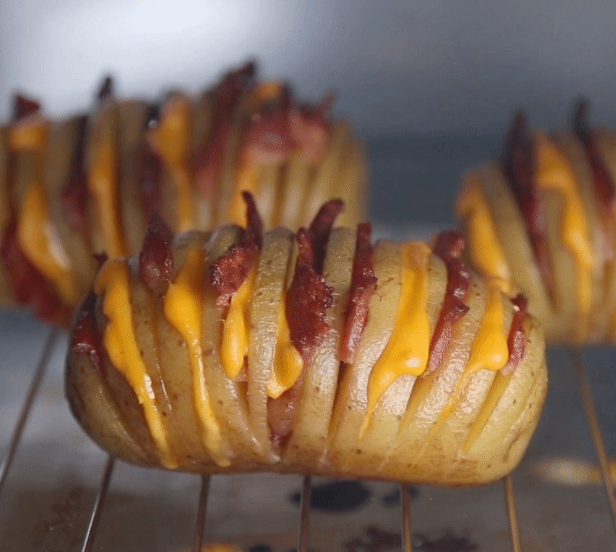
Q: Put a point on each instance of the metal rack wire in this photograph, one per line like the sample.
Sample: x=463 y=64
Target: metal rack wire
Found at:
x=304 y=521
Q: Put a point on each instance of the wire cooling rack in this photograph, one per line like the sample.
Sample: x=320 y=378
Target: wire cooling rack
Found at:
x=305 y=537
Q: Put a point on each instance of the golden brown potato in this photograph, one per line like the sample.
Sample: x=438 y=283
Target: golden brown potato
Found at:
x=549 y=228
x=385 y=415
x=188 y=159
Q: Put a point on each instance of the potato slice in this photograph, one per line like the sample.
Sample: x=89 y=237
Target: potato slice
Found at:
x=131 y=120
x=62 y=148
x=351 y=400
x=230 y=403
x=316 y=401
x=202 y=129
x=267 y=300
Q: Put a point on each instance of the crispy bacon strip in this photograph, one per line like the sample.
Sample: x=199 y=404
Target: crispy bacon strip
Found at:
x=519 y=166
x=449 y=246
x=155 y=258
x=282 y=126
x=363 y=284
x=86 y=337
x=208 y=162
x=24 y=107
x=105 y=92
x=603 y=183
x=281 y=414
x=516 y=340
x=229 y=271
x=309 y=297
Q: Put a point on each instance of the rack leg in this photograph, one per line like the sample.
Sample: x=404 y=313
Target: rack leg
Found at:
x=27 y=405
x=302 y=544
x=514 y=524
x=201 y=513
x=98 y=506
x=407 y=534
x=593 y=423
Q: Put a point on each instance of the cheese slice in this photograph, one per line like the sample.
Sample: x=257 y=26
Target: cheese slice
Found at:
x=183 y=307
x=485 y=249
x=39 y=241
x=171 y=140
x=407 y=351
x=102 y=182
x=236 y=327
x=554 y=172
x=121 y=345
x=288 y=362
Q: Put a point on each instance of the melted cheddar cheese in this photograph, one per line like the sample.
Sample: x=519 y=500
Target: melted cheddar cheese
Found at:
x=171 y=140
x=554 y=172
x=485 y=249
x=39 y=241
x=30 y=134
x=407 y=351
x=288 y=362
x=489 y=351
x=121 y=345
x=102 y=183
x=183 y=307
x=236 y=328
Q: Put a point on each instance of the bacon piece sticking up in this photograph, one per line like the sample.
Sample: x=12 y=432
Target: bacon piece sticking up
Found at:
x=230 y=270
x=363 y=284
x=516 y=341
x=449 y=246
x=155 y=258
x=603 y=183
x=86 y=337
x=75 y=194
x=282 y=126
x=309 y=297
x=105 y=92
x=208 y=162
x=29 y=284
x=24 y=107
x=519 y=166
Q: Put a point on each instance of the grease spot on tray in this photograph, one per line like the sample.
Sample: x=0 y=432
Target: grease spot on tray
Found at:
x=337 y=496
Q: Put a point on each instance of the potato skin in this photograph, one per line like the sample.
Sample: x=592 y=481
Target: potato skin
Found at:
x=412 y=437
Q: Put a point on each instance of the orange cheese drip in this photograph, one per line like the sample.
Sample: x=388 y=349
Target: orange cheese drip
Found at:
x=554 y=172
x=121 y=345
x=407 y=351
x=102 y=182
x=485 y=249
x=183 y=307
x=39 y=241
x=288 y=362
x=171 y=140
x=236 y=328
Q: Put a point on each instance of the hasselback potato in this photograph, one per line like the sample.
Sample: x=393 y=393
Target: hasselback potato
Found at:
x=309 y=352
x=542 y=218
x=85 y=185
